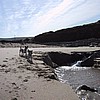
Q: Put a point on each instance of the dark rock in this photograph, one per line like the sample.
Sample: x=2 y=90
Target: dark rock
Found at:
x=88 y=62
x=52 y=76
x=49 y=62
x=55 y=59
x=86 y=88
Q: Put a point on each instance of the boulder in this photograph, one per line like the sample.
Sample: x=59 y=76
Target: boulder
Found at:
x=88 y=62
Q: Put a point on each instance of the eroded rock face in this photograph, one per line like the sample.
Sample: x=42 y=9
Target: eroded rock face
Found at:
x=55 y=59
x=63 y=59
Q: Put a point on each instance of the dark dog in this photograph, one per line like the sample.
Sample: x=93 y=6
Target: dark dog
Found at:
x=29 y=55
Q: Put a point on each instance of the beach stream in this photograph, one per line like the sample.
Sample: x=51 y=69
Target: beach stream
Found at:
x=76 y=75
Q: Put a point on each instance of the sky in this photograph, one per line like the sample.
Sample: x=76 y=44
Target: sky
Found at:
x=24 y=18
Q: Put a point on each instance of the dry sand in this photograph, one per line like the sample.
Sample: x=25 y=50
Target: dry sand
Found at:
x=20 y=80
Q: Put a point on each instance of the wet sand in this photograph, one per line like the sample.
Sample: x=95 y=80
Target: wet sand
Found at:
x=20 y=80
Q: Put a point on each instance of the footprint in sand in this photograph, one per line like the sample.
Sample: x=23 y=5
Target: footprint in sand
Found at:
x=31 y=97
x=28 y=77
x=33 y=91
x=13 y=83
x=19 y=77
x=14 y=70
x=12 y=58
x=26 y=80
x=7 y=70
x=6 y=90
x=10 y=91
x=4 y=65
x=6 y=58
x=14 y=99
x=20 y=63
x=5 y=61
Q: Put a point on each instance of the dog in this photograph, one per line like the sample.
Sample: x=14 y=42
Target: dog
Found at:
x=29 y=55
x=23 y=51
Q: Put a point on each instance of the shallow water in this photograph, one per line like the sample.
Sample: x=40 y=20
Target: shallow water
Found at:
x=76 y=76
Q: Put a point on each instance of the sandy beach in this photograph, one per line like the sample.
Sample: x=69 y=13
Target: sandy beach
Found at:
x=20 y=80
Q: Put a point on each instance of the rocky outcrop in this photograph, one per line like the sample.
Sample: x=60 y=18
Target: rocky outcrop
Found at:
x=63 y=59
x=48 y=61
x=55 y=59
x=88 y=62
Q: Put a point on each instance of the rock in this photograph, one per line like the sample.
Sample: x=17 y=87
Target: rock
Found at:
x=86 y=88
x=88 y=62
x=52 y=76
x=55 y=59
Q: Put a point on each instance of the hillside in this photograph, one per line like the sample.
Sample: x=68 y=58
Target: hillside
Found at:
x=70 y=34
x=16 y=40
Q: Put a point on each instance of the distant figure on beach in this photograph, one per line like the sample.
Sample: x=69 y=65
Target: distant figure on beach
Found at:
x=29 y=56
x=23 y=51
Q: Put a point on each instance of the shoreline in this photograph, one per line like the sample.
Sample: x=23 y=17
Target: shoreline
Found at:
x=25 y=81
x=21 y=80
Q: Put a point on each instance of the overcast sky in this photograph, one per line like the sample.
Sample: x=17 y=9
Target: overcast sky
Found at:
x=32 y=17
